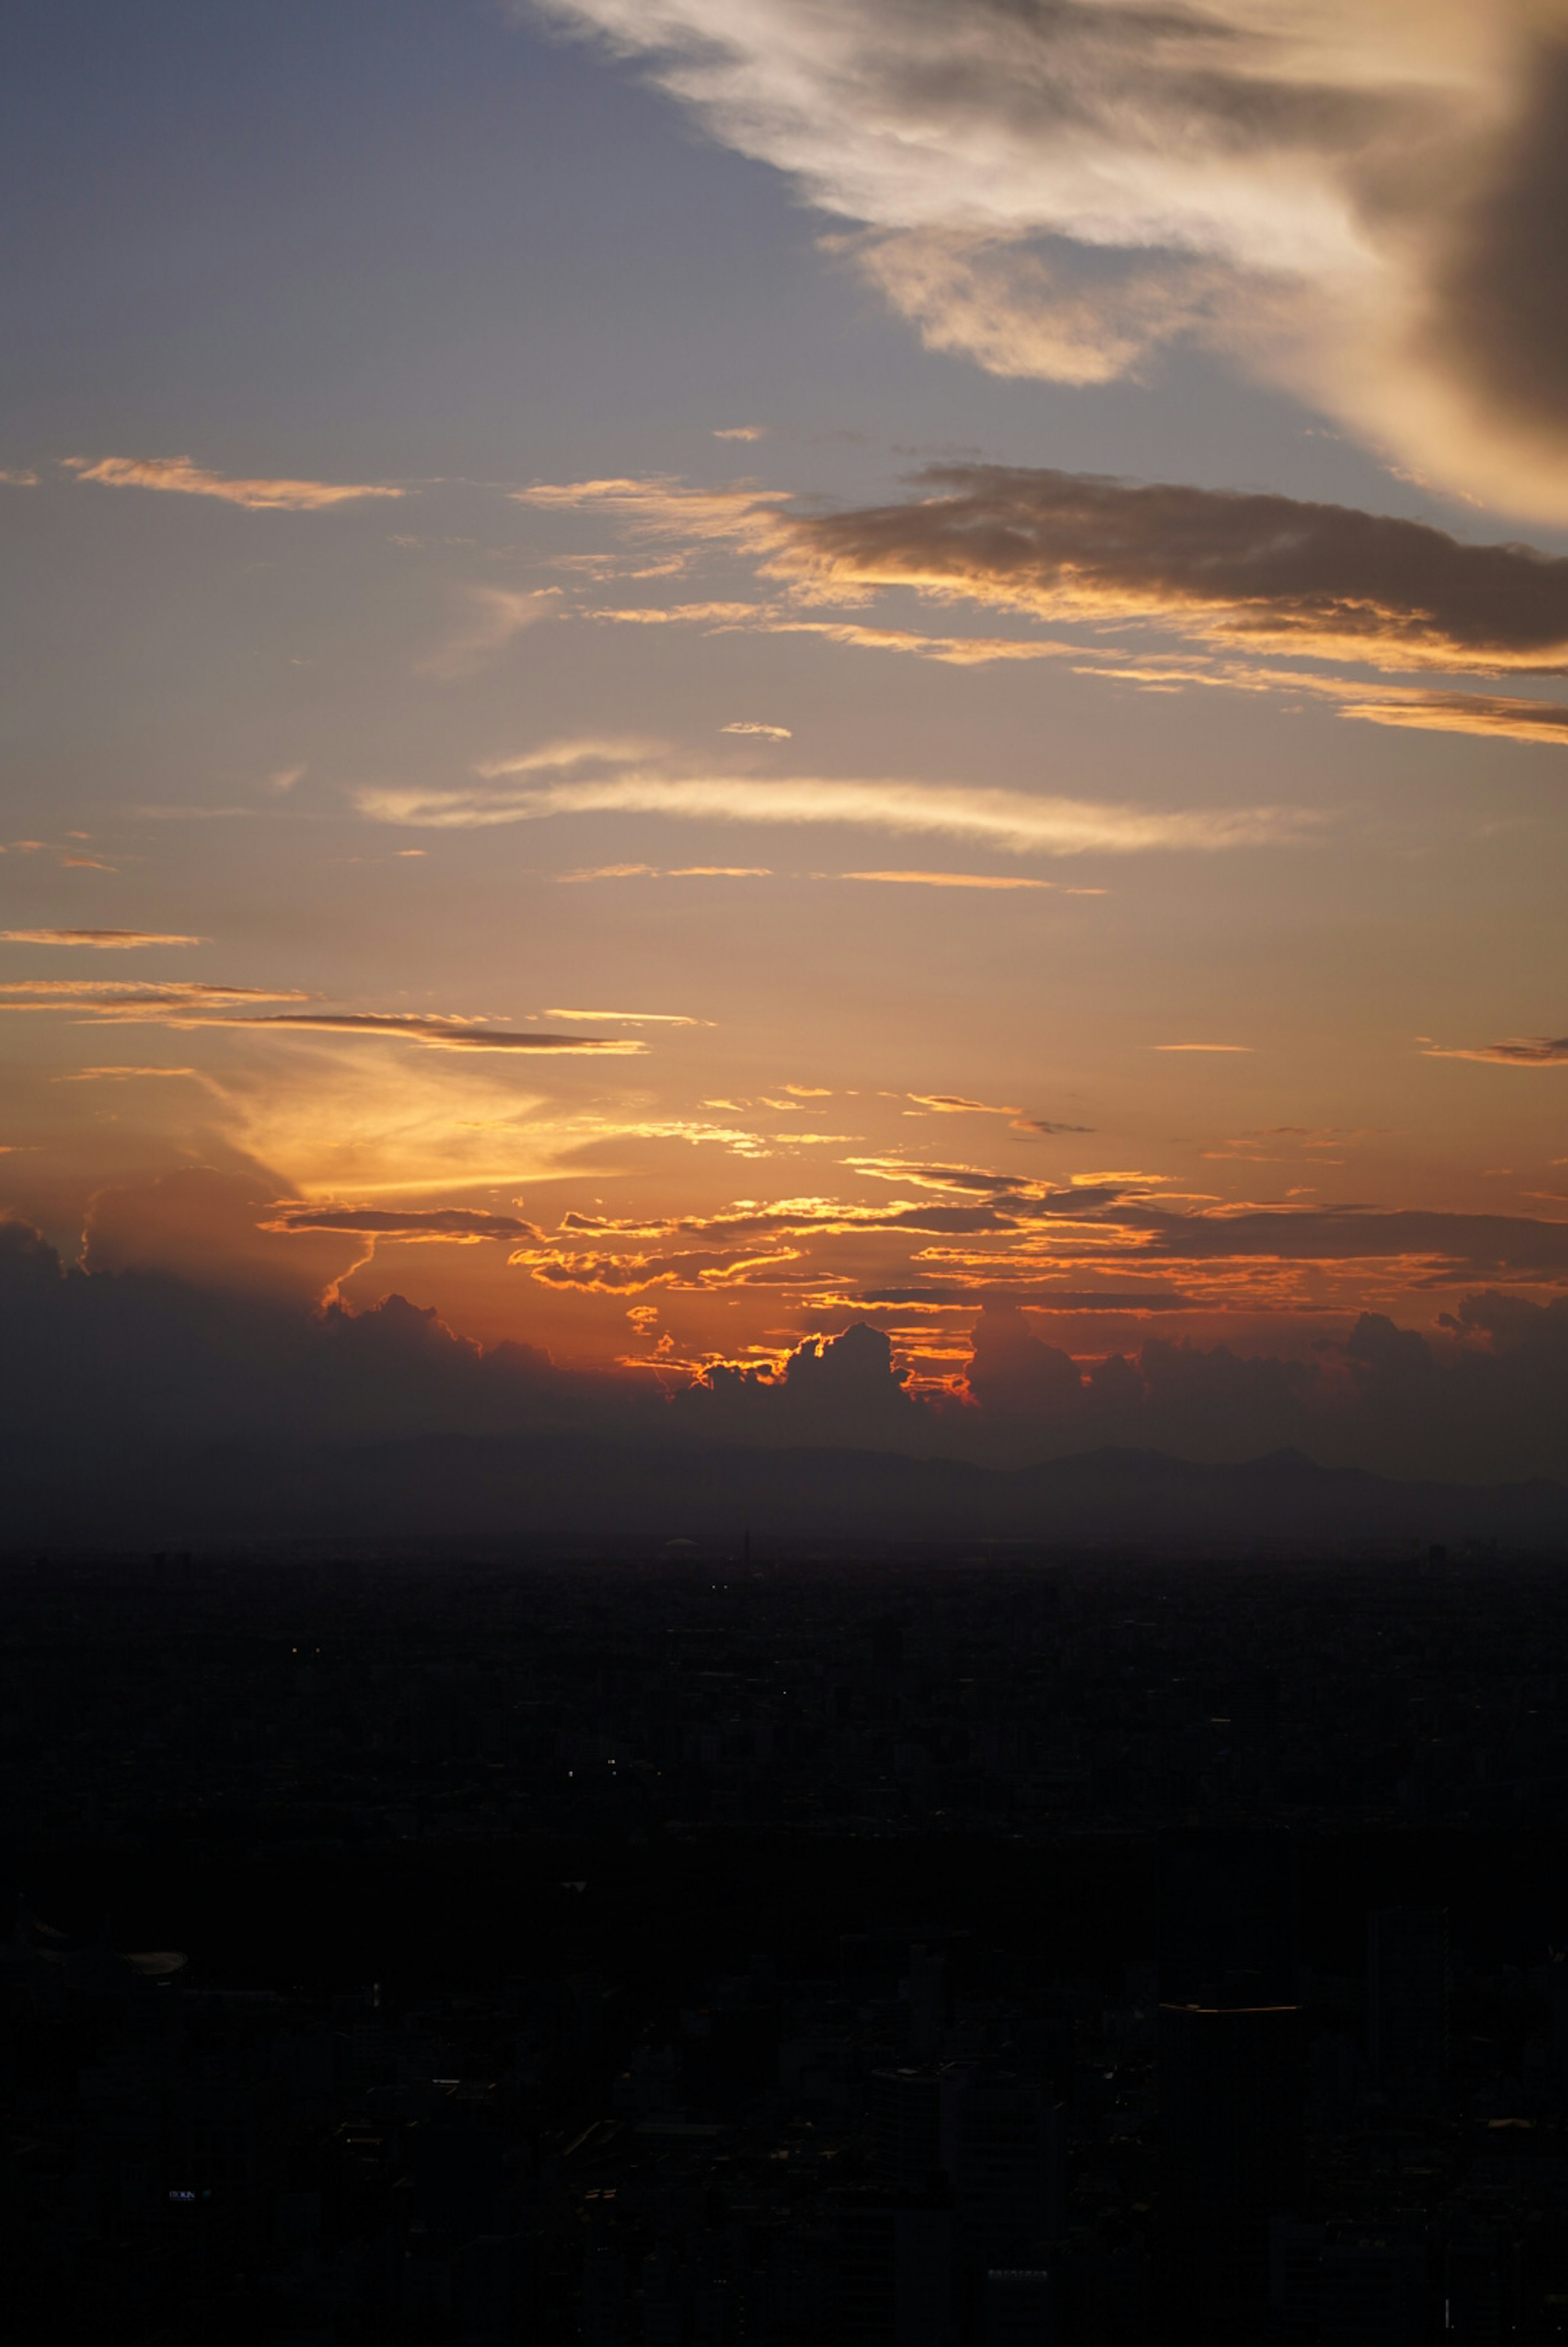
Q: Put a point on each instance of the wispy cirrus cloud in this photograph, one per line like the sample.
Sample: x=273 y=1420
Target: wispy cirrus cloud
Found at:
x=1360 y=202
x=103 y=940
x=661 y=506
x=131 y=994
x=634 y=1018
x=951 y=651
x=632 y=1275
x=489 y=619
x=955 y=1104
x=458 y=1226
x=189 y=1003
x=123 y=1073
x=1238 y=575
x=1518 y=1051
x=186 y=478
x=1493 y=716
x=774 y=620
x=441 y=1033
x=610 y=778
x=954 y=880
x=1489 y=715
x=674 y=872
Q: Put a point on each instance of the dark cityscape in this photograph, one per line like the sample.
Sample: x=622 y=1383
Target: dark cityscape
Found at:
x=689 y=1946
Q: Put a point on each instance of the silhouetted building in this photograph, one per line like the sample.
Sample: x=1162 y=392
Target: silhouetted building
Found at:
x=1230 y=2156
x=1407 y=2001
x=1007 y=2169
x=1374 y=2294
x=1227 y=1917
x=1480 y=2288
x=895 y=2271
x=1021 y=2308
x=906 y=2125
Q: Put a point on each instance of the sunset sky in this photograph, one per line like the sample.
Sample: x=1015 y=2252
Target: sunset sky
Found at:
x=677 y=672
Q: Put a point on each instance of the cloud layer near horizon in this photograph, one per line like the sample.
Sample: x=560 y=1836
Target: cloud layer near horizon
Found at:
x=1363 y=202
x=122 y=1379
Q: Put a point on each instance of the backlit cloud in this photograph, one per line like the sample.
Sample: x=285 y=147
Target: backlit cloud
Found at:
x=1519 y=1051
x=948 y=879
x=188 y=1003
x=1362 y=202
x=955 y=1104
x=441 y=1033
x=1490 y=714
x=190 y=479
x=106 y=940
x=1495 y=716
x=132 y=995
x=677 y=872
x=463 y=1225
x=1235 y=574
x=1326 y=581
x=634 y=1018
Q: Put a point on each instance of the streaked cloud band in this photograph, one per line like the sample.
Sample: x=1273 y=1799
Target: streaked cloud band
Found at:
x=1015 y=820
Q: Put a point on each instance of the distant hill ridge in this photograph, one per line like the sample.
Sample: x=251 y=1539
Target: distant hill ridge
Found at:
x=467 y=1487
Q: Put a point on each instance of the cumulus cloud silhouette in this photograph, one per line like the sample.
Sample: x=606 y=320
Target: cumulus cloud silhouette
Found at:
x=1488 y=1401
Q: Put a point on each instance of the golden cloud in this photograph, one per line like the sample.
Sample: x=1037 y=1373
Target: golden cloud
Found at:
x=103 y=940
x=1015 y=820
x=182 y=475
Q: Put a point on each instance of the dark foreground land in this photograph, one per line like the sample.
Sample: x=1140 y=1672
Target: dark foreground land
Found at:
x=918 y=1950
